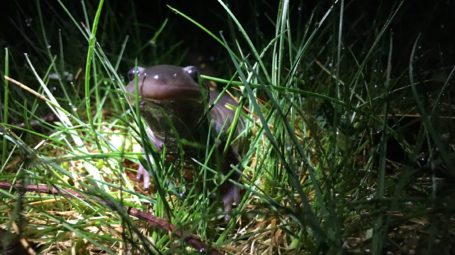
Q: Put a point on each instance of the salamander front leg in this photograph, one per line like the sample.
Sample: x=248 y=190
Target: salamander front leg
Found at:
x=143 y=174
x=230 y=196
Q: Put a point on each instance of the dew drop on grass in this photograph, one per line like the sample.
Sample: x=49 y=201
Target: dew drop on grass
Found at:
x=28 y=22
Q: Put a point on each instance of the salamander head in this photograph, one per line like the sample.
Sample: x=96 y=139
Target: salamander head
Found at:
x=171 y=100
x=165 y=82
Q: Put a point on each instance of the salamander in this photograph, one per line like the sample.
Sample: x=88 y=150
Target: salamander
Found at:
x=175 y=107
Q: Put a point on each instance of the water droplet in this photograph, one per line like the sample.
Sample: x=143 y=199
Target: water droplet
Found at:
x=68 y=76
x=28 y=22
x=49 y=46
x=156 y=76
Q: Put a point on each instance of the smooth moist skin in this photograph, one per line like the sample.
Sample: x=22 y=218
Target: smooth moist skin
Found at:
x=175 y=107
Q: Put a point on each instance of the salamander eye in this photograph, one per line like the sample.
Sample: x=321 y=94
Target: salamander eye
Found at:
x=137 y=70
x=193 y=72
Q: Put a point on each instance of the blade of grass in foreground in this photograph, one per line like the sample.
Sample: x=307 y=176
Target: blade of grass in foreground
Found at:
x=381 y=224
x=89 y=59
x=5 y=105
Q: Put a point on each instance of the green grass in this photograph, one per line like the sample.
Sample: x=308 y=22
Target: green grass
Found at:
x=322 y=118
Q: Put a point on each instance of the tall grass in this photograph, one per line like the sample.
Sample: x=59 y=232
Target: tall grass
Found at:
x=322 y=117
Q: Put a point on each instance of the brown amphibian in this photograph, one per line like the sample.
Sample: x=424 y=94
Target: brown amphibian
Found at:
x=181 y=113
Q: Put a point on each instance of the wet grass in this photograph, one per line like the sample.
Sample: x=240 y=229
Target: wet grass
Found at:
x=346 y=152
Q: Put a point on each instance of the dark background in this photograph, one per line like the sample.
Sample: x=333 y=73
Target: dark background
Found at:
x=434 y=20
